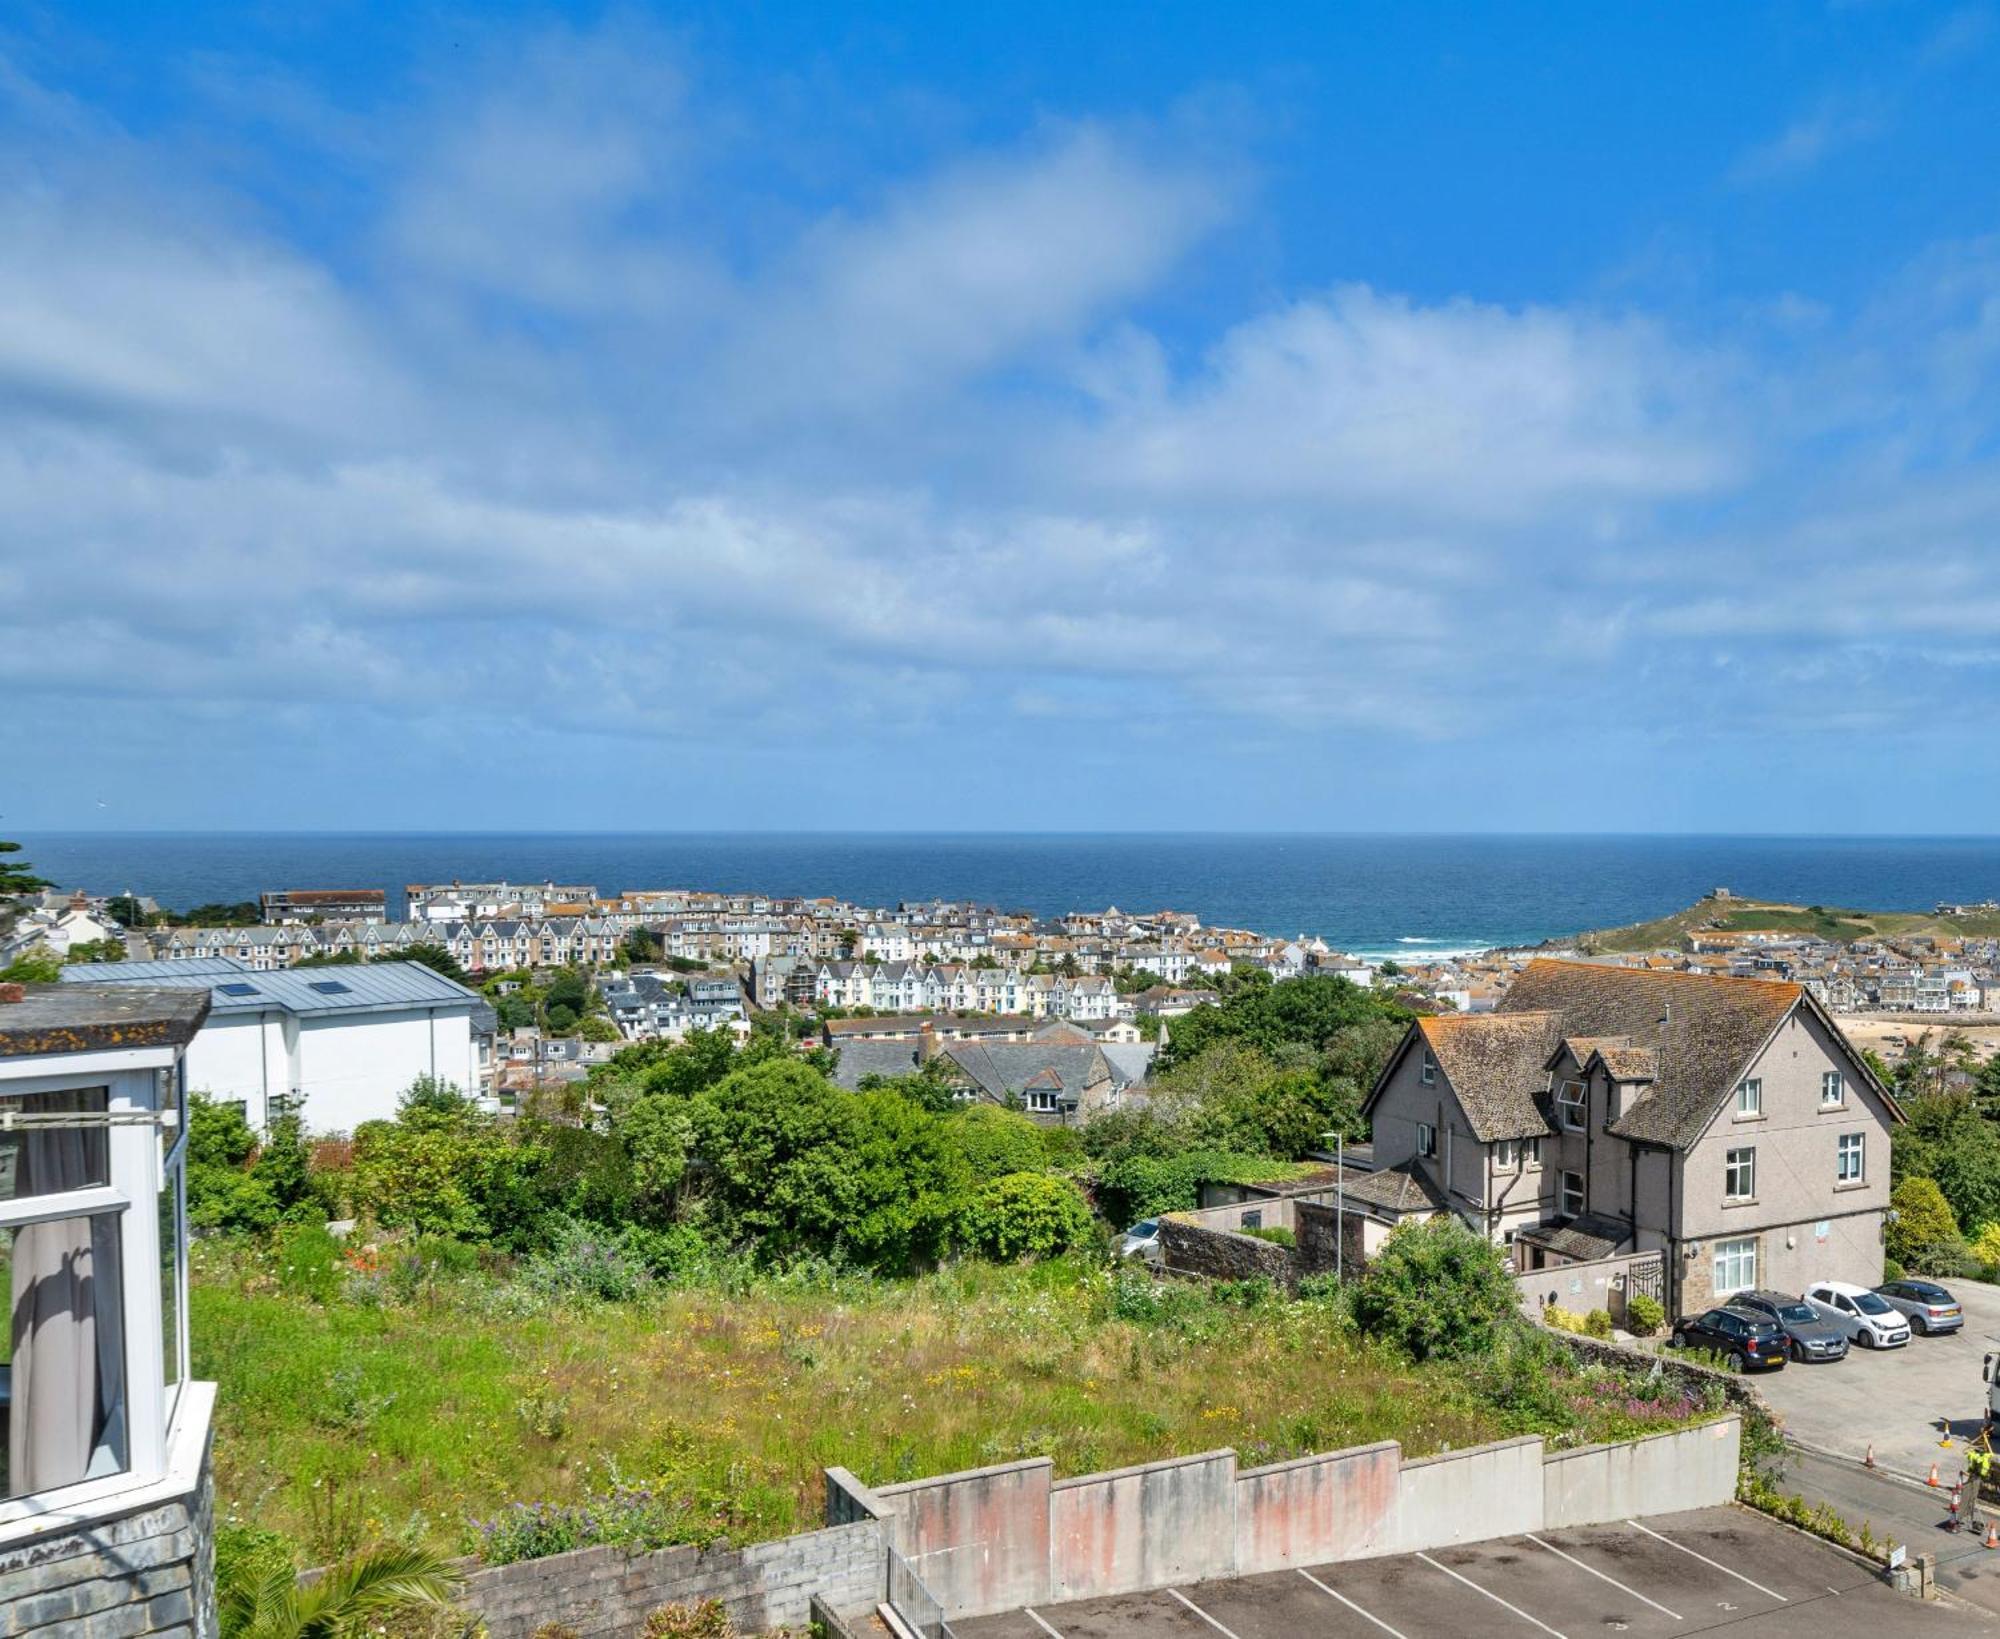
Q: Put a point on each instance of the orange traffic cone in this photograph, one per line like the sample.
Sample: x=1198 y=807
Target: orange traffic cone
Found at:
x=1933 y=1480
x=1993 y=1533
x=1869 y=1460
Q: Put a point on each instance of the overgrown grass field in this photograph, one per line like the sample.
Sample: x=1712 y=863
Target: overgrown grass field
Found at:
x=411 y=1402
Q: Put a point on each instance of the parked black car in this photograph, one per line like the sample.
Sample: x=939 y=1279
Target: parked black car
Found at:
x=1753 y=1342
x=1813 y=1336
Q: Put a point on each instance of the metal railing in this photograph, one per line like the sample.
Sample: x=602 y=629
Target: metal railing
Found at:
x=914 y=1602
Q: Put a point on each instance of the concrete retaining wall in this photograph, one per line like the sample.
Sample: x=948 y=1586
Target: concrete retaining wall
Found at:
x=1466 y=1496
x=1142 y=1527
x=971 y=1537
x=1661 y=1474
x=1316 y=1509
x=984 y=1535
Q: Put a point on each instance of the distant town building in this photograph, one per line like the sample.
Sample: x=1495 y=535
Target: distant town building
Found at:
x=288 y=905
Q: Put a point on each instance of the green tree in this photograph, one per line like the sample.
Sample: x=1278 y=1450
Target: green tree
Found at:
x=15 y=877
x=798 y=1165
x=435 y=957
x=1028 y=1215
x=241 y=914
x=1947 y=1140
x=1924 y=1235
x=38 y=965
x=86 y=951
x=1436 y=1290
x=641 y=945
x=699 y=1061
x=996 y=1142
x=657 y=1130
x=442 y=1167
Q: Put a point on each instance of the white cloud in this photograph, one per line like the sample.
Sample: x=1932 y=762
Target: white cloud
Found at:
x=1836 y=123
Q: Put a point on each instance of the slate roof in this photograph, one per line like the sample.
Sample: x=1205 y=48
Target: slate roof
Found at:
x=1398 y=1189
x=1703 y=1032
x=1585 y=1238
x=369 y=987
x=874 y=1058
x=1001 y=1068
x=1495 y=1064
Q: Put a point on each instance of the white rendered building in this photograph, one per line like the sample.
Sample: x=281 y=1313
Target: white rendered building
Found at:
x=344 y=1040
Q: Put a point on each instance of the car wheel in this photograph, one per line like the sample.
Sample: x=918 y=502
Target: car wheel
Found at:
x=1679 y=1340
x=1920 y=1326
x=1740 y=1360
x=1798 y=1355
x=1865 y=1338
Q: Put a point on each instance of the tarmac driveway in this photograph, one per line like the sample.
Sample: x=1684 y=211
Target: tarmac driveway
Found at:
x=1895 y=1399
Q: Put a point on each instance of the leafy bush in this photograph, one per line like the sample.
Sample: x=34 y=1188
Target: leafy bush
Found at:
x=1924 y=1234
x=996 y=1142
x=1597 y=1323
x=1276 y=1234
x=443 y=1168
x=707 y=1620
x=1644 y=1316
x=311 y=1263
x=1028 y=1215
x=1436 y=1289
x=636 y=1520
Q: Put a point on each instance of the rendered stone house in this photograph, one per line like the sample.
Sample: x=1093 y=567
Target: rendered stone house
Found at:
x=1725 y=1123
x=106 y=1502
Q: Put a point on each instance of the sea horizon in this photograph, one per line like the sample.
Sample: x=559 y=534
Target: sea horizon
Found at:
x=1380 y=895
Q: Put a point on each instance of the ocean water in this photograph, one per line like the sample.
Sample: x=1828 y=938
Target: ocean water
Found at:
x=1373 y=895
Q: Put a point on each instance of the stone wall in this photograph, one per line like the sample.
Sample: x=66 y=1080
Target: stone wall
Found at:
x=1686 y=1374
x=146 y=1571
x=603 y=1593
x=1602 y=1283
x=1188 y=1248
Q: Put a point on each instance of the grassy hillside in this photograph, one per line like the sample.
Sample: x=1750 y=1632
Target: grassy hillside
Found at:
x=410 y=1404
x=1762 y=916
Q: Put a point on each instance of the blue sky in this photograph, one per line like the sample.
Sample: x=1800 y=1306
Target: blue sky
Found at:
x=1127 y=417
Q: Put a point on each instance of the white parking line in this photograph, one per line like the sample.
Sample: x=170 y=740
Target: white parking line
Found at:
x=1366 y=1616
x=1594 y=1571
x=1211 y=1621
x=1490 y=1594
x=1034 y=1616
x=1724 y=1569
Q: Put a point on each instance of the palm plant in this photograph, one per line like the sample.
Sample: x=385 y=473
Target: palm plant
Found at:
x=364 y=1587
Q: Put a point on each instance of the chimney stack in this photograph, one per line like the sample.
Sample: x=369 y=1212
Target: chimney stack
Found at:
x=11 y=992
x=927 y=1042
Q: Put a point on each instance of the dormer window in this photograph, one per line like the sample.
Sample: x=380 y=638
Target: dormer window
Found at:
x=1570 y=1102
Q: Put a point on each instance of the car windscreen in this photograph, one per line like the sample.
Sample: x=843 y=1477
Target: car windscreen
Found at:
x=1869 y=1304
x=1145 y=1226
x=1796 y=1311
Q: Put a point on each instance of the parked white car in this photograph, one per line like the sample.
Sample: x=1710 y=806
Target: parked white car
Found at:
x=1865 y=1316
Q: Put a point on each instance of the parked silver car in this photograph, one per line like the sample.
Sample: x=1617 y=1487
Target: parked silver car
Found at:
x=1813 y=1336
x=1858 y=1312
x=1142 y=1240
x=1928 y=1307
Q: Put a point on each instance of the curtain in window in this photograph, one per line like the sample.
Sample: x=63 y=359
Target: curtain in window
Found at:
x=66 y=1414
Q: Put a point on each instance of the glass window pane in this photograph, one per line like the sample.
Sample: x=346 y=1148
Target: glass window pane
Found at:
x=64 y=1373
x=45 y=1160
x=172 y=1217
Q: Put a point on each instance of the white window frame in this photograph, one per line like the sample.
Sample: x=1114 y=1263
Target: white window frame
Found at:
x=1832 y=1090
x=1507 y=1155
x=1737 y=1256
x=1427 y=1068
x=1572 y=1106
x=1741 y=1158
x=1531 y=1152
x=1855 y=1145
x=139 y=1173
x=1427 y=1140
x=1750 y=1097
x=1563 y=1194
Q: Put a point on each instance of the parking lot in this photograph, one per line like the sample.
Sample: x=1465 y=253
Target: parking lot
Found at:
x=1678 y=1574
x=1893 y=1398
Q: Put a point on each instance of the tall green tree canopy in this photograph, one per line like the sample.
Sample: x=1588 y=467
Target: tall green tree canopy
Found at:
x=15 y=877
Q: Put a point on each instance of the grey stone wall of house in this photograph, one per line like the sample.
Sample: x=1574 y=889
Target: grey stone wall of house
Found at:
x=603 y=1593
x=1684 y=1374
x=1222 y=1254
x=128 y=1576
x=1318 y=1228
